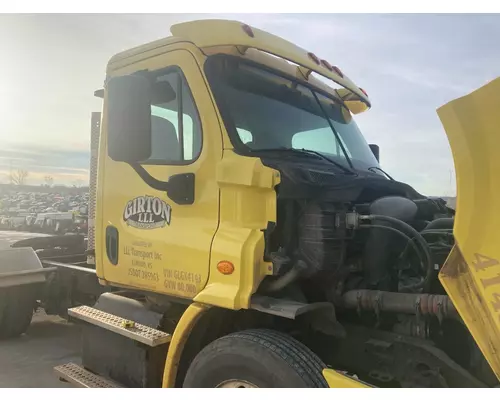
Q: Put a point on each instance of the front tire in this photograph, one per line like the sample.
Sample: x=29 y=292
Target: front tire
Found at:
x=256 y=358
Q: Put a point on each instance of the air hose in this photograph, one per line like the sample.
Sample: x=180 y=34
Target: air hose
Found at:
x=284 y=280
x=412 y=244
x=408 y=230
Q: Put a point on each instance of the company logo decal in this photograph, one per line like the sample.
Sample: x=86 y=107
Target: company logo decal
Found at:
x=147 y=212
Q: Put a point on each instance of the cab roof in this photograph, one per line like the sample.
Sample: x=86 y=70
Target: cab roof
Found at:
x=212 y=33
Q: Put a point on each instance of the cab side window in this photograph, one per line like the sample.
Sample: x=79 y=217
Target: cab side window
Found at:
x=175 y=124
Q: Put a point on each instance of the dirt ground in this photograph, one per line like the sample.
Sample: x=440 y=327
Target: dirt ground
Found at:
x=28 y=361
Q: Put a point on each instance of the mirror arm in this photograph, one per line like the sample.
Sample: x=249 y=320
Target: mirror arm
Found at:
x=180 y=188
x=149 y=179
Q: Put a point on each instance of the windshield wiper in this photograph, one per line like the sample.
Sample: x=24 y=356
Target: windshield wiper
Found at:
x=336 y=134
x=381 y=170
x=310 y=153
x=339 y=165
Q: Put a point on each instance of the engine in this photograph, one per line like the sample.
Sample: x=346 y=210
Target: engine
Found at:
x=372 y=247
x=366 y=233
x=390 y=244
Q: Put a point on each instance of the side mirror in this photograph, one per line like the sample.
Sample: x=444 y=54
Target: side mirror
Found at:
x=376 y=151
x=129 y=118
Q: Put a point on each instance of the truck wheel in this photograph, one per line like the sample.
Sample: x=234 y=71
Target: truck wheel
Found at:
x=16 y=311
x=256 y=358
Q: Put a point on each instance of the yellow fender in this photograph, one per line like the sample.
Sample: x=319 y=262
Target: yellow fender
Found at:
x=181 y=334
x=339 y=380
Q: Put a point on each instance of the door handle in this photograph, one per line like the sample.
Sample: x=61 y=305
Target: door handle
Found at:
x=112 y=244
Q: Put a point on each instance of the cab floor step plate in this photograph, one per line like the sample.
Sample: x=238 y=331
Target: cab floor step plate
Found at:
x=138 y=332
x=80 y=377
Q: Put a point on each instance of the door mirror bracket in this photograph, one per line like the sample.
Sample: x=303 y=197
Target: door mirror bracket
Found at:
x=179 y=188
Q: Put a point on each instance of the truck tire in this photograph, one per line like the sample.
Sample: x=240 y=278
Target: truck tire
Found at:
x=16 y=311
x=256 y=358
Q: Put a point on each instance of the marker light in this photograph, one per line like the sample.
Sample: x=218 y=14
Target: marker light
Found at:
x=313 y=57
x=225 y=267
x=248 y=30
x=327 y=65
x=337 y=71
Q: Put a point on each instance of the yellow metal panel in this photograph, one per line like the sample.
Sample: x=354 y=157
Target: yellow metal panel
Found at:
x=340 y=381
x=247 y=204
x=210 y=33
x=150 y=52
x=151 y=46
x=471 y=274
x=181 y=334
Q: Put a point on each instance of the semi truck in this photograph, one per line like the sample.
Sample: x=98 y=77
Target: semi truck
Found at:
x=242 y=232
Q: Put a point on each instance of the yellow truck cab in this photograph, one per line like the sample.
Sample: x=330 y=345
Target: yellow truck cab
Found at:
x=201 y=196
x=249 y=236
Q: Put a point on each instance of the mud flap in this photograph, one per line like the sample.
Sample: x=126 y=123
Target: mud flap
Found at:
x=471 y=274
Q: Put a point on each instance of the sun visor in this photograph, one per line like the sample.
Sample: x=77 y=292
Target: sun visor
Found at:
x=213 y=33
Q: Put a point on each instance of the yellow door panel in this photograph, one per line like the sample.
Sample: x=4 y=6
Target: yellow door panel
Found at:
x=163 y=246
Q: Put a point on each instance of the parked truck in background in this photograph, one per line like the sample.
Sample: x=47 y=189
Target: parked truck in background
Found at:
x=242 y=233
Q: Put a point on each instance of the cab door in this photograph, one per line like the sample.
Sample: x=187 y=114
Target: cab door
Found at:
x=149 y=240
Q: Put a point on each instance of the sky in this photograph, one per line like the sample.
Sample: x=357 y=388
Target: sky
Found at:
x=410 y=64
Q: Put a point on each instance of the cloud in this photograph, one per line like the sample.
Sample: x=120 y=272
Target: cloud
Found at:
x=65 y=165
x=410 y=64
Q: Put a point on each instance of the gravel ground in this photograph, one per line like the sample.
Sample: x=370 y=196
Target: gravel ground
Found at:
x=28 y=361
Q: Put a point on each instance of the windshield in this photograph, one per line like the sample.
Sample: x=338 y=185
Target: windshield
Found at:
x=263 y=111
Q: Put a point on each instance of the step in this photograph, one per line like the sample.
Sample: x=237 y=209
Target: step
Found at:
x=80 y=377
x=135 y=331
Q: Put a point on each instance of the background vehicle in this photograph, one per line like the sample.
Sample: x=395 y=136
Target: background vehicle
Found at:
x=246 y=235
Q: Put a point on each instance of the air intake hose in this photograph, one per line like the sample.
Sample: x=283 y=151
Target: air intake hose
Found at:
x=414 y=234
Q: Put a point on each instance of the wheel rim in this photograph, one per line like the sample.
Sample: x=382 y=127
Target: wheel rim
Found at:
x=236 y=384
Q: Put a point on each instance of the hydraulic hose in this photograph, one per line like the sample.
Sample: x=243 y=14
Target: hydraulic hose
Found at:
x=409 y=231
